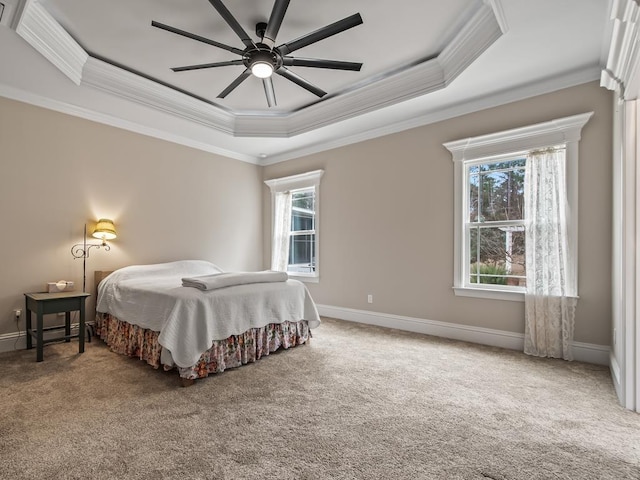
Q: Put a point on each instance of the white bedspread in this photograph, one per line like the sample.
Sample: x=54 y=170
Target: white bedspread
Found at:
x=188 y=319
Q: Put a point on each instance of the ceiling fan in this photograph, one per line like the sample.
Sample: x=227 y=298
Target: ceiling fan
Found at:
x=263 y=58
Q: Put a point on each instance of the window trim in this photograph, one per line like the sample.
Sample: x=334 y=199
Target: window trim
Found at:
x=562 y=131
x=300 y=182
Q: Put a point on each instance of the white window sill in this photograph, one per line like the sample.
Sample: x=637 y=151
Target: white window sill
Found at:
x=495 y=293
x=491 y=293
x=305 y=278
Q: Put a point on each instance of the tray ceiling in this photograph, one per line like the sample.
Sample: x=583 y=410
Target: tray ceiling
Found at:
x=120 y=32
x=113 y=46
x=422 y=61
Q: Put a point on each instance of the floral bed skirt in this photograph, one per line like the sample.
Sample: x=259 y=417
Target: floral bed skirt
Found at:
x=133 y=341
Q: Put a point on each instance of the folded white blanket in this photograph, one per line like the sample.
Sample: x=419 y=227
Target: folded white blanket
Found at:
x=221 y=280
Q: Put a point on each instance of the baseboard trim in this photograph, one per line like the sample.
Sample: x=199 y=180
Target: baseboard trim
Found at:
x=18 y=340
x=583 y=352
x=614 y=366
x=13 y=341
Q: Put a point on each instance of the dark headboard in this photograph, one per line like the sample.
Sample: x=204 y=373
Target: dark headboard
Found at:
x=98 y=276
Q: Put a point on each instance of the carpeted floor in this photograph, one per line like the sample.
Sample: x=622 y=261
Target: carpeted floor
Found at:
x=359 y=402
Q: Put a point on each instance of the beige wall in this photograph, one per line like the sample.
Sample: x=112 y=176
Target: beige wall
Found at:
x=169 y=202
x=387 y=218
x=386 y=213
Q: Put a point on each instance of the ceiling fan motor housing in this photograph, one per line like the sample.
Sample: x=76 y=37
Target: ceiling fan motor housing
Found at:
x=262 y=54
x=263 y=58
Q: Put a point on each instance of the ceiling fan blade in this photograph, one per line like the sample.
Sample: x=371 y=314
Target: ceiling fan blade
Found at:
x=233 y=23
x=297 y=79
x=275 y=20
x=319 y=63
x=232 y=86
x=269 y=91
x=324 y=32
x=208 y=65
x=193 y=36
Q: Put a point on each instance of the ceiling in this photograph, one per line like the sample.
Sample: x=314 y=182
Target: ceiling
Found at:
x=130 y=41
x=422 y=61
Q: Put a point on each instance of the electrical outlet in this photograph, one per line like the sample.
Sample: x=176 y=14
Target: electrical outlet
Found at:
x=17 y=313
x=369 y=298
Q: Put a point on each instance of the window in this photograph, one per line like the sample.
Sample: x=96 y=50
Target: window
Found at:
x=302 y=235
x=494 y=224
x=295 y=213
x=490 y=218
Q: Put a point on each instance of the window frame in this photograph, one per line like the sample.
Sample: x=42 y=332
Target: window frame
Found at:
x=562 y=131
x=294 y=183
x=300 y=233
x=469 y=225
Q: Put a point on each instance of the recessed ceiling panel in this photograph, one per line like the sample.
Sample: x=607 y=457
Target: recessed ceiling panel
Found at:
x=392 y=36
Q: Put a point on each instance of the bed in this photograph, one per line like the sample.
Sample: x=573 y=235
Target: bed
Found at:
x=144 y=311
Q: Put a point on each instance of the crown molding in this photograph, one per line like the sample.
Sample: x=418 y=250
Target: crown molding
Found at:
x=471 y=41
x=268 y=126
x=413 y=82
x=41 y=30
x=622 y=73
x=74 y=110
x=502 y=97
x=114 y=80
x=43 y=33
x=482 y=103
x=10 y=16
x=498 y=11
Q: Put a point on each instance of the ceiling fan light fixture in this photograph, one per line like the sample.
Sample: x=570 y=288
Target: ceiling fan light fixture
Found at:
x=263 y=58
x=262 y=69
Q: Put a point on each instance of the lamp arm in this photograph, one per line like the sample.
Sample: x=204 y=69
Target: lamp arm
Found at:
x=81 y=250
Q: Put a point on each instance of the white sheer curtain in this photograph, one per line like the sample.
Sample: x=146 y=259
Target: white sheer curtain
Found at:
x=281 y=228
x=550 y=298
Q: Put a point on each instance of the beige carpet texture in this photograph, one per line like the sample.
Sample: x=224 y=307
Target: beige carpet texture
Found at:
x=359 y=402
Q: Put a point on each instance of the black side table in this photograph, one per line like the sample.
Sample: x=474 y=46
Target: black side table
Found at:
x=44 y=303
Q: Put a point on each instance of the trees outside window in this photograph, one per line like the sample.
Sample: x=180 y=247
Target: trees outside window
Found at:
x=495 y=222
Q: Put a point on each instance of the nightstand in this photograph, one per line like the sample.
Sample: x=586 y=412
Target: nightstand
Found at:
x=44 y=303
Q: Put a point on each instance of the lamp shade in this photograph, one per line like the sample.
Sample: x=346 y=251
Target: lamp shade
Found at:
x=105 y=229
